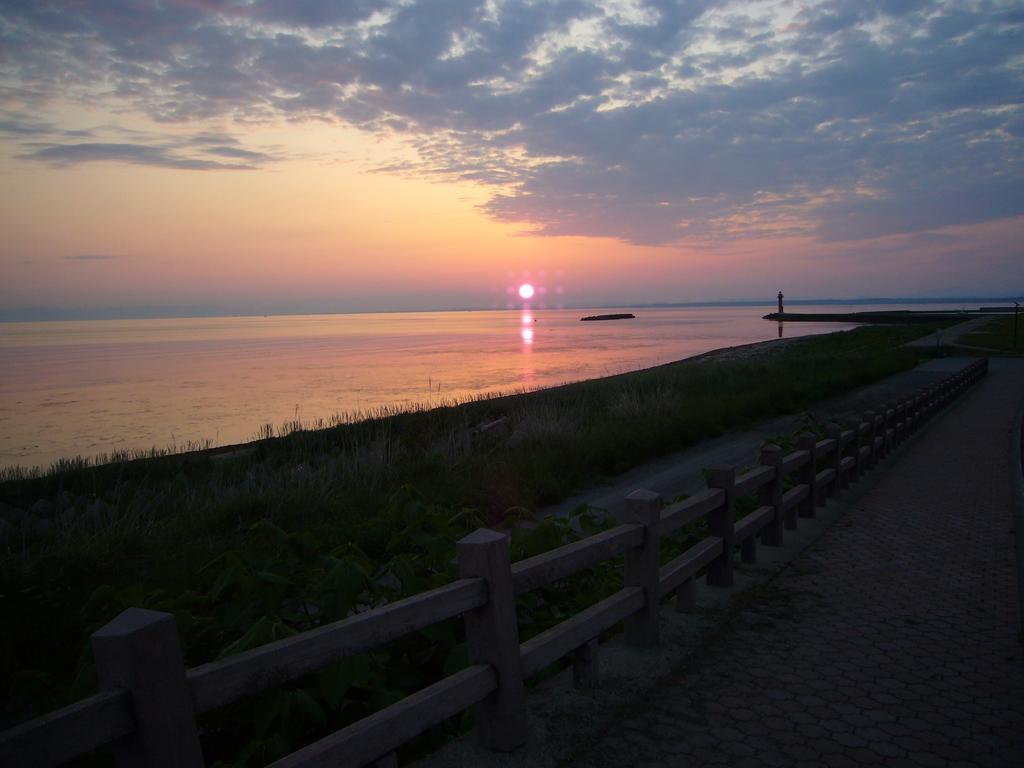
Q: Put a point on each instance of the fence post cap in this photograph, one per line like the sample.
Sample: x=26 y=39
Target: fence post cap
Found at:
x=132 y=620
x=482 y=536
x=643 y=506
x=642 y=495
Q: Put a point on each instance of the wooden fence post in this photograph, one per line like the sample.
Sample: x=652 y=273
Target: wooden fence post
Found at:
x=880 y=435
x=809 y=475
x=869 y=417
x=887 y=414
x=643 y=566
x=835 y=432
x=721 y=523
x=858 y=466
x=492 y=637
x=887 y=427
x=139 y=651
x=771 y=493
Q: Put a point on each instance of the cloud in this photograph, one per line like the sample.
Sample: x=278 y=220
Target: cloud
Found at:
x=15 y=125
x=652 y=121
x=91 y=257
x=203 y=151
x=22 y=126
x=238 y=154
x=315 y=13
x=138 y=154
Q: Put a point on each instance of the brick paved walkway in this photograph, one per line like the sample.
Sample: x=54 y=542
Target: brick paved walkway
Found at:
x=892 y=641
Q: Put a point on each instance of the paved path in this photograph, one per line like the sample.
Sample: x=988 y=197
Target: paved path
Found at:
x=951 y=336
x=683 y=471
x=892 y=641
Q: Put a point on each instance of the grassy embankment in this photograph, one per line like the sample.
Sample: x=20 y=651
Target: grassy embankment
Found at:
x=998 y=336
x=304 y=529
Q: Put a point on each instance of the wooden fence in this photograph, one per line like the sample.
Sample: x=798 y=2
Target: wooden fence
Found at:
x=147 y=708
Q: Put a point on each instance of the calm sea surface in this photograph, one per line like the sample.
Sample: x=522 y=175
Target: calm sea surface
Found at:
x=93 y=387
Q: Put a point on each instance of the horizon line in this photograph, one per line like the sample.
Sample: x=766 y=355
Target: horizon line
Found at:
x=58 y=314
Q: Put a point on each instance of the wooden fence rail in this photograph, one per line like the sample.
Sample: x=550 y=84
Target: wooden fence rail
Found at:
x=148 y=706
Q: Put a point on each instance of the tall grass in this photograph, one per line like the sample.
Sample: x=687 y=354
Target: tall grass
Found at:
x=545 y=445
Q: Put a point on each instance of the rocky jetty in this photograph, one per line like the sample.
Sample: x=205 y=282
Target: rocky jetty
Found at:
x=617 y=316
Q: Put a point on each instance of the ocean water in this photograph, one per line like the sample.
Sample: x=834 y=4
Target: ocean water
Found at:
x=90 y=388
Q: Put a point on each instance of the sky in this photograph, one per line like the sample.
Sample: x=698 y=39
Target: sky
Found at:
x=192 y=156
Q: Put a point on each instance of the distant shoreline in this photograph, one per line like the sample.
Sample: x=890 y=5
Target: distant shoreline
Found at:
x=57 y=314
x=895 y=316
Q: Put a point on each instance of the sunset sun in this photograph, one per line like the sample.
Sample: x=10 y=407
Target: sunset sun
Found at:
x=526 y=291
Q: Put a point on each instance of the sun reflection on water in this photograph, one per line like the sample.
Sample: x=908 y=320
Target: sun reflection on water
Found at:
x=526 y=320
x=526 y=334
